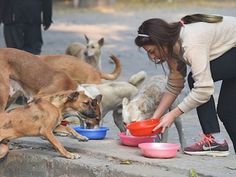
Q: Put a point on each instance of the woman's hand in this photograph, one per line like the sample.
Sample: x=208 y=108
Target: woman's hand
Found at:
x=168 y=119
x=166 y=100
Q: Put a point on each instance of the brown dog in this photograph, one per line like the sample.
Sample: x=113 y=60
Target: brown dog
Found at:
x=42 y=116
x=34 y=76
x=80 y=71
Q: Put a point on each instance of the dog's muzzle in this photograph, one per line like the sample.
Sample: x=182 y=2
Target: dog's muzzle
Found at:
x=89 y=113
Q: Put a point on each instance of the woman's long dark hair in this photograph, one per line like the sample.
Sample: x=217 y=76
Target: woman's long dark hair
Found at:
x=164 y=34
x=202 y=18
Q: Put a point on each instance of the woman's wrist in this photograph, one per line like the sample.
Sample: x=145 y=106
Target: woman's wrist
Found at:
x=157 y=114
x=177 y=112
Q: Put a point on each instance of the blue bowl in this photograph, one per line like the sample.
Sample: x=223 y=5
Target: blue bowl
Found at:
x=92 y=134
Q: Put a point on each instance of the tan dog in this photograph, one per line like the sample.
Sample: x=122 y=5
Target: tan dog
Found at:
x=87 y=122
x=27 y=73
x=143 y=105
x=80 y=71
x=113 y=94
x=42 y=116
x=90 y=53
x=34 y=76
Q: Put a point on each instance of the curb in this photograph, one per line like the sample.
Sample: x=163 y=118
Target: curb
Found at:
x=36 y=157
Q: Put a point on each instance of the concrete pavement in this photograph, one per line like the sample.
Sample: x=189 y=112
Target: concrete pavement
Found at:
x=36 y=157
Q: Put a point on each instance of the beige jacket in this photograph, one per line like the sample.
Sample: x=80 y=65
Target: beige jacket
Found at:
x=201 y=43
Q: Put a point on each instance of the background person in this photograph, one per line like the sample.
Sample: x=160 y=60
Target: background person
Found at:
x=22 y=21
x=207 y=44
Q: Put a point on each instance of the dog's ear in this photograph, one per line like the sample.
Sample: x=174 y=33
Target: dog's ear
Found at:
x=86 y=37
x=98 y=98
x=125 y=101
x=57 y=99
x=143 y=106
x=73 y=96
x=101 y=42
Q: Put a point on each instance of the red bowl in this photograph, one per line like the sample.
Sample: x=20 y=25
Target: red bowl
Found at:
x=144 y=127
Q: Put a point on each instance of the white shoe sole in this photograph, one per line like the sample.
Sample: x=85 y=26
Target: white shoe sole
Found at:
x=209 y=153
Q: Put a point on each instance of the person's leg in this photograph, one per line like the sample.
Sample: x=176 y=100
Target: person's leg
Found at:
x=227 y=108
x=13 y=35
x=224 y=69
x=206 y=113
x=208 y=119
x=33 y=38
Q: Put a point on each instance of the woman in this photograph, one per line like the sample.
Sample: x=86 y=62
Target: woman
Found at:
x=207 y=44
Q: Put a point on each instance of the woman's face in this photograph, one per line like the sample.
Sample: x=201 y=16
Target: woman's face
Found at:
x=155 y=54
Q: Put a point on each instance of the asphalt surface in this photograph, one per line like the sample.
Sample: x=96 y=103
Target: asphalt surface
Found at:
x=119 y=28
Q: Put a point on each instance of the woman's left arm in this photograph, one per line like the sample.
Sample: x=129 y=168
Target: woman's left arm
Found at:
x=175 y=83
x=203 y=87
x=169 y=118
x=198 y=57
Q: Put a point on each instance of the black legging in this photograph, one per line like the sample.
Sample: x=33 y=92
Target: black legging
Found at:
x=222 y=68
x=27 y=37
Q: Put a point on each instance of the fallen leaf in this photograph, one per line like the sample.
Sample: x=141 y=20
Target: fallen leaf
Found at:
x=193 y=173
x=126 y=162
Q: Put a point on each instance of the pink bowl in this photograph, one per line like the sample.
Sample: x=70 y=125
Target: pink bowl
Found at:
x=159 y=150
x=130 y=140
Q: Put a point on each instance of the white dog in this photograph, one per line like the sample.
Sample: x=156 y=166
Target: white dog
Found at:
x=143 y=105
x=90 y=53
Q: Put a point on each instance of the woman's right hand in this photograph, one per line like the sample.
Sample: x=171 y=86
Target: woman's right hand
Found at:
x=166 y=101
x=168 y=119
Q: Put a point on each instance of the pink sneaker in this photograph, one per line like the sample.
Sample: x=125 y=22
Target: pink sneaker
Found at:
x=209 y=147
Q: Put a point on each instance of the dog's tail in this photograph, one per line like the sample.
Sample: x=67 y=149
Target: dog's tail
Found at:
x=115 y=74
x=138 y=78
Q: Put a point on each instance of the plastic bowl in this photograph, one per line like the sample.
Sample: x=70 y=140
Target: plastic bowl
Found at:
x=130 y=140
x=159 y=150
x=92 y=134
x=144 y=127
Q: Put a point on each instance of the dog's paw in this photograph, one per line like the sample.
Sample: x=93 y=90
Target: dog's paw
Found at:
x=3 y=150
x=83 y=138
x=71 y=155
